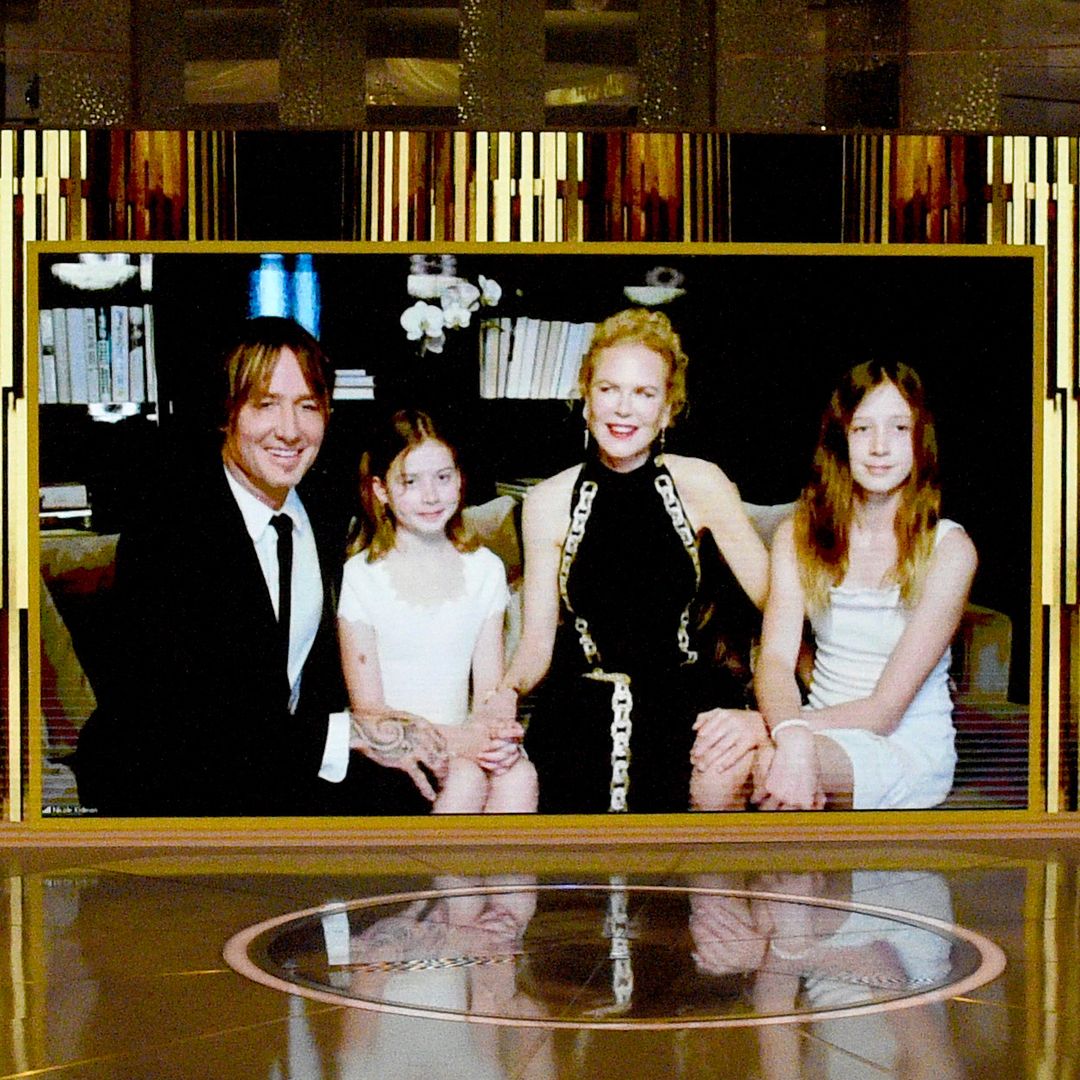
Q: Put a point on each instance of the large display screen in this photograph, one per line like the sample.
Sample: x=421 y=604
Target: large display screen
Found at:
x=641 y=602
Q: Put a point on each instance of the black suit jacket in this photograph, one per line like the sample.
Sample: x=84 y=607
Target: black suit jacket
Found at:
x=193 y=713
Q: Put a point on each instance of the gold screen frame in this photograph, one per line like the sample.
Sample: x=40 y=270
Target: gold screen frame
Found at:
x=1043 y=726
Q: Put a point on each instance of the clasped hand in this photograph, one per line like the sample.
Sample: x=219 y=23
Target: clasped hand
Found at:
x=492 y=736
x=724 y=736
x=792 y=780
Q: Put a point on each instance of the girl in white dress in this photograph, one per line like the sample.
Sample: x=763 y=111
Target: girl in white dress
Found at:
x=421 y=616
x=883 y=582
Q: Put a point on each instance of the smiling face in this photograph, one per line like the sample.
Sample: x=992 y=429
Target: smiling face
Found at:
x=627 y=404
x=276 y=433
x=422 y=489
x=880 y=444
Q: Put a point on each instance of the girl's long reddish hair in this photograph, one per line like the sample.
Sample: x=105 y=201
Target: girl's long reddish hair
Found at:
x=825 y=508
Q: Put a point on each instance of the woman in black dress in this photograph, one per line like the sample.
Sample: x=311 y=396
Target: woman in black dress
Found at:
x=613 y=567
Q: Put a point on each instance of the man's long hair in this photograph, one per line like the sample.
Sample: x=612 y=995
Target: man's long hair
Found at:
x=248 y=367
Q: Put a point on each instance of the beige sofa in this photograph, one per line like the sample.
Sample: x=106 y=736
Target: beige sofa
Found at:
x=77 y=572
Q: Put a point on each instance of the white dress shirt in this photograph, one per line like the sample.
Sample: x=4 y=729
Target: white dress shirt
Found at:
x=307 y=602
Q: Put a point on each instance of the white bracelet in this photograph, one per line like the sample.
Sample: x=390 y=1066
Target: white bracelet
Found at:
x=795 y=721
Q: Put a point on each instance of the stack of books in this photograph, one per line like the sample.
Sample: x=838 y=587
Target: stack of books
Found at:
x=64 y=506
x=353 y=384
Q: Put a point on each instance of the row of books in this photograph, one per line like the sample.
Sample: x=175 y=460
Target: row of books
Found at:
x=96 y=354
x=532 y=358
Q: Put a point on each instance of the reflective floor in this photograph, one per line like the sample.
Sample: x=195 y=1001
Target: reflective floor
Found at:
x=737 y=960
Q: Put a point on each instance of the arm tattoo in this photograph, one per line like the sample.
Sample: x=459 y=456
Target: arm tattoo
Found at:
x=387 y=736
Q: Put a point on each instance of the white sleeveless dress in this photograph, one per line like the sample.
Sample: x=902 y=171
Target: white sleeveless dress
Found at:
x=854 y=636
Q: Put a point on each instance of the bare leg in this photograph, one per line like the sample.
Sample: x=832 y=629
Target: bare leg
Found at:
x=724 y=789
x=464 y=790
x=731 y=789
x=837 y=775
x=516 y=791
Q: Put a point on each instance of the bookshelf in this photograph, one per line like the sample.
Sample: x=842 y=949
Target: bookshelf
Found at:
x=98 y=393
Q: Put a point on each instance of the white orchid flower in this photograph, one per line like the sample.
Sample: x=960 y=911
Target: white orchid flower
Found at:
x=459 y=302
x=423 y=321
x=490 y=291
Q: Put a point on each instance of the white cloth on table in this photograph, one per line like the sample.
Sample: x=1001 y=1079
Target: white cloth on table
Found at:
x=854 y=636
x=425 y=650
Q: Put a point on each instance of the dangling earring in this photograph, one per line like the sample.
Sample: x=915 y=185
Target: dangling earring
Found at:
x=663 y=438
x=586 y=437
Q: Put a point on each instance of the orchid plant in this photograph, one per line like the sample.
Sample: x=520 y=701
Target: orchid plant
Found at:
x=458 y=298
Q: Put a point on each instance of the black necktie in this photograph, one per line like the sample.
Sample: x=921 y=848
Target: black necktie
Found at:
x=284 y=526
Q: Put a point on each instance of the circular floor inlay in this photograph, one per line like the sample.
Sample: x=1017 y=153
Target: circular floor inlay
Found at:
x=620 y=956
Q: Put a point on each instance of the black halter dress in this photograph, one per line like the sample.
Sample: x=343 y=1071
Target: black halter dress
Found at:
x=611 y=729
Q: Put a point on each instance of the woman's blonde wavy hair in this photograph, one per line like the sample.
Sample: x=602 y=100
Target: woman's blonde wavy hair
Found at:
x=826 y=506
x=652 y=329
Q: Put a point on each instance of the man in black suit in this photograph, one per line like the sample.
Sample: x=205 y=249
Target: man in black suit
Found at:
x=226 y=695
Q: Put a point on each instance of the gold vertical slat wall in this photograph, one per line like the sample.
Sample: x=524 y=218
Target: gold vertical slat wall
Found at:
x=1033 y=182
x=571 y=187
x=531 y=186
x=40 y=199
x=502 y=186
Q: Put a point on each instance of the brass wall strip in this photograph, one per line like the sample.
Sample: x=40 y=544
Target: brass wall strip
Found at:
x=461 y=186
x=1018 y=224
x=8 y=185
x=501 y=187
x=1071 y=450
x=1050 y=1051
x=545 y=187
x=404 y=188
x=481 y=195
x=1039 y=191
x=386 y=150
x=76 y=203
x=572 y=189
x=1068 y=248
x=370 y=207
x=8 y=156
x=215 y=182
x=192 y=179
x=51 y=177
x=17 y=973
x=1054 y=772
